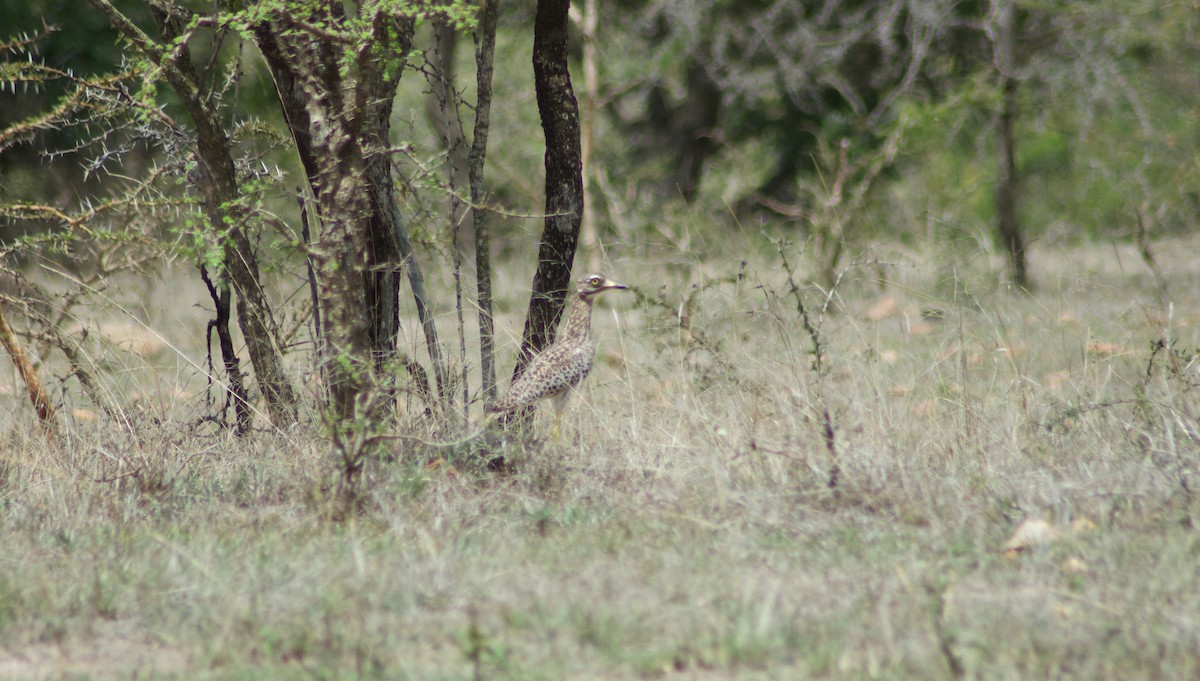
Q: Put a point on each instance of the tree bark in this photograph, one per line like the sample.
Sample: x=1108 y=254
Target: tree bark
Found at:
x=591 y=99
x=485 y=47
x=1008 y=227
x=441 y=108
x=564 y=179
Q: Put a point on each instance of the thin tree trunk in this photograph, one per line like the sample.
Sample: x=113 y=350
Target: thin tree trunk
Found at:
x=442 y=111
x=447 y=120
x=485 y=47
x=564 y=179
x=693 y=135
x=392 y=252
x=1006 y=186
x=687 y=129
x=416 y=282
x=236 y=389
x=591 y=97
x=310 y=272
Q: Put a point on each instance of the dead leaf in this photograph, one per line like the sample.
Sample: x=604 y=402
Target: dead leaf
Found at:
x=1032 y=533
x=973 y=356
x=440 y=464
x=1074 y=566
x=1062 y=612
x=1081 y=525
x=615 y=360
x=136 y=338
x=1055 y=379
x=882 y=309
x=925 y=408
x=1104 y=349
x=920 y=329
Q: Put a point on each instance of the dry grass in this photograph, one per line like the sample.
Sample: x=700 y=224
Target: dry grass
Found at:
x=685 y=526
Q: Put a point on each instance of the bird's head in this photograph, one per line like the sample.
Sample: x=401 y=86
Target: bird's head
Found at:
x=594 y=284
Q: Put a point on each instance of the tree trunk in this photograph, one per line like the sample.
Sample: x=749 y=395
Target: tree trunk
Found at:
x=591 y=101
x=693 y=132
x=686 y=128
x=564 y=179
x=485 y=47
x=338 y=98
x=384 y=256
x=254 y=313
x=388 y=251
x=1009 y=229
x=441 y=108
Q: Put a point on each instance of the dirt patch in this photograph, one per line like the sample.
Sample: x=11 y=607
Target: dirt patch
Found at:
x=113 y=650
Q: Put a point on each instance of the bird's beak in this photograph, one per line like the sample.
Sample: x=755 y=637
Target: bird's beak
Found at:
x=610 y=284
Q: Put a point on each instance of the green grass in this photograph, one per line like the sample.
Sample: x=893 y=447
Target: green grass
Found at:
x=684 y=526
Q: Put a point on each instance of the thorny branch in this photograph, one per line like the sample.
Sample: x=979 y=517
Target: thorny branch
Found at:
x=828 y=432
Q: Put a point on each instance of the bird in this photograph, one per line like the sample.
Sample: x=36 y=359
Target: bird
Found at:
x=554 y=372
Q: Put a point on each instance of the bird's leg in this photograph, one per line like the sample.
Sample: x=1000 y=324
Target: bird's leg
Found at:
x=560 y=402
x=556 y=432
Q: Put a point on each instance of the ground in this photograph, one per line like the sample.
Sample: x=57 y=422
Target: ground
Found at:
x=701 y=516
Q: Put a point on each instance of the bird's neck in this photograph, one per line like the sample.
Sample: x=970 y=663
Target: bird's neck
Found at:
x=579 y=318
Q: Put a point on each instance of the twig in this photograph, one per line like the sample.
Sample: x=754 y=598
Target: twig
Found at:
x=829 y=432
x=306 y=234
x=944 y=638
x=1143 y=241
x=41 y=403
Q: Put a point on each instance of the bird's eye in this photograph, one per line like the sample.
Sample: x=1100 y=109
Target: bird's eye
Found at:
x=596 y=282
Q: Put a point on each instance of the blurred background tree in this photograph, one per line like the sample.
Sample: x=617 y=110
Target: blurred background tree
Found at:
x=753 y=88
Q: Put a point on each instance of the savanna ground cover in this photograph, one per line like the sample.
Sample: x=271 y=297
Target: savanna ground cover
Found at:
x=685 y=525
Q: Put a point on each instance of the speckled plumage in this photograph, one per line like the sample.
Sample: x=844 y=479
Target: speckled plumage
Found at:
x=558 y=369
